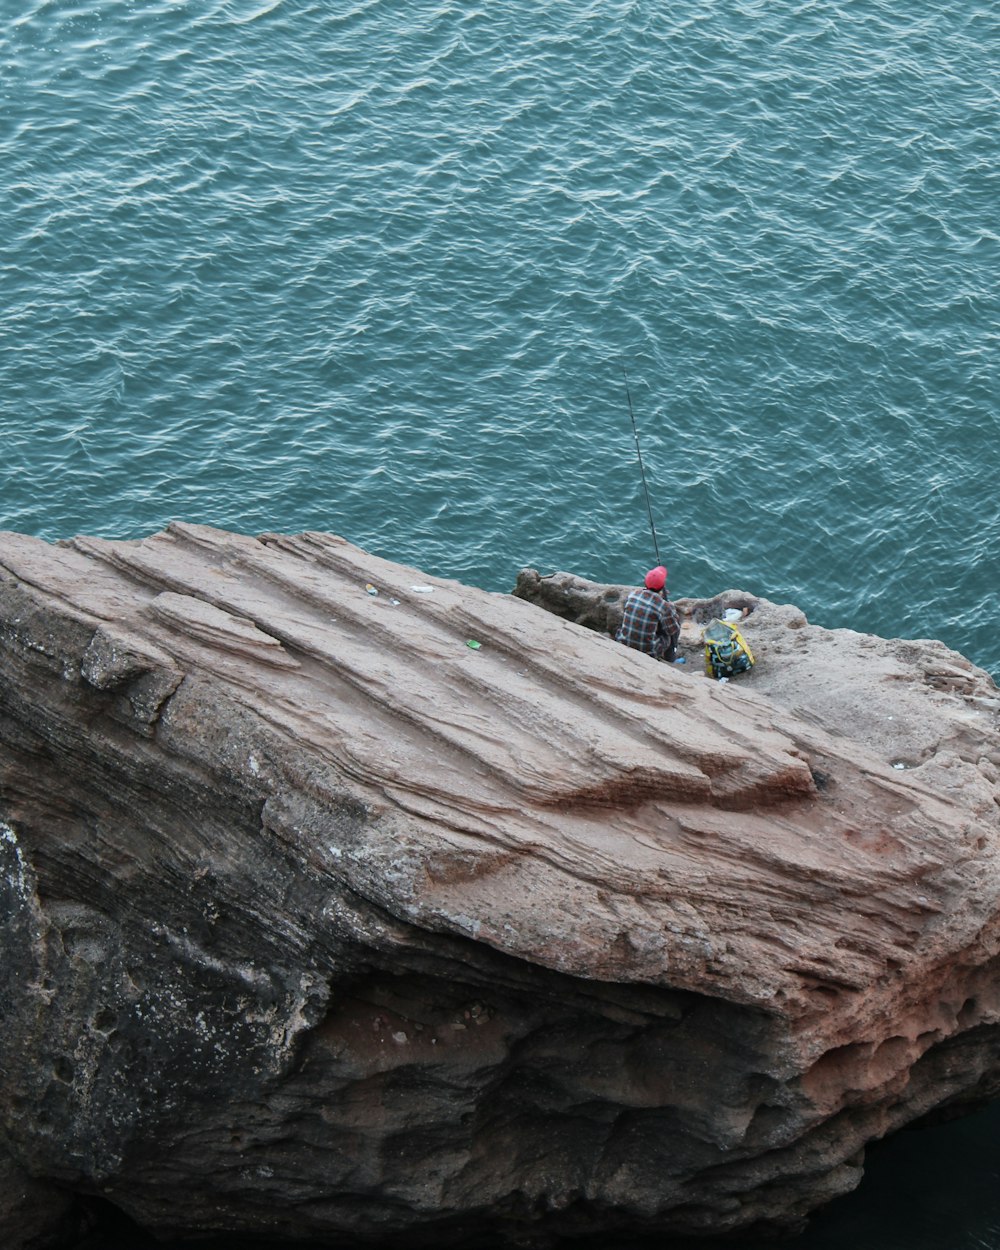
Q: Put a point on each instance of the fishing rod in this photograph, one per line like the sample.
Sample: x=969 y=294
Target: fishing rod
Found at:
x=642 y=471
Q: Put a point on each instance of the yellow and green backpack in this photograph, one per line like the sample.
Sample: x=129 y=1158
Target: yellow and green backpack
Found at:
x=726 y=650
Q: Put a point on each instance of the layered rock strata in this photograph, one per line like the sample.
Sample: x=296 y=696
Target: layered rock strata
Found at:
x=321 y=922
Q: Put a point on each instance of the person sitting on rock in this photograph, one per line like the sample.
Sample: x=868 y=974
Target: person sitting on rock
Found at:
x=650 y=622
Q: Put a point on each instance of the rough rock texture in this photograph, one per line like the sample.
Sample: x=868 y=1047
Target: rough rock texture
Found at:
x=320 y=922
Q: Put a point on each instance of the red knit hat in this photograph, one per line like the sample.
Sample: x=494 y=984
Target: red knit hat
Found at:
x=656 y=578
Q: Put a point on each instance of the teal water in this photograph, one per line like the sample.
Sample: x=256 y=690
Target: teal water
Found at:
x=376 y=268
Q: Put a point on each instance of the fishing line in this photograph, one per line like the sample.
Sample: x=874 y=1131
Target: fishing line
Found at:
x=642 y=471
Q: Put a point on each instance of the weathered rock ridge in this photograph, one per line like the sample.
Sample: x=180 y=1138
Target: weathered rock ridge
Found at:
x=319 y=922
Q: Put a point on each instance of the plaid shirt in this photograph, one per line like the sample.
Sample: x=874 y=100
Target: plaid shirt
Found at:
x=650 y=623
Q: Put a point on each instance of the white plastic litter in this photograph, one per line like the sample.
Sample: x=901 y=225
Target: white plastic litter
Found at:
x=422 y=590
x=732 y=614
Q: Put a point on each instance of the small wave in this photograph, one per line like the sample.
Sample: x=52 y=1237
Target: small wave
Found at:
x=254 y=12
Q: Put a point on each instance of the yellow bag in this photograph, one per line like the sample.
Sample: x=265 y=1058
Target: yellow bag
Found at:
x=726 y=650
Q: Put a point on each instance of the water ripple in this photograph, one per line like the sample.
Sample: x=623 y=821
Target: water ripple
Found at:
x=279 y=267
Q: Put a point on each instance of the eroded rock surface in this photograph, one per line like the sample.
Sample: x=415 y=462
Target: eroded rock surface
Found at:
x=321 y=922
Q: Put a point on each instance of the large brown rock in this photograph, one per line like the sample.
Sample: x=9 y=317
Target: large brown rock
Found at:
x=321 y=922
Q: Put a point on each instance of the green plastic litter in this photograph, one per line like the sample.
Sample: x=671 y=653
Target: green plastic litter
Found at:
x=471 y=642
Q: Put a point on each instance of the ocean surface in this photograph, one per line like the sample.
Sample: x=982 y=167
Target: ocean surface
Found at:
x=381 y=269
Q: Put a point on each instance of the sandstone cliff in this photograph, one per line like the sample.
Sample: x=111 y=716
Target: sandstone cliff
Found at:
x=321 y=922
